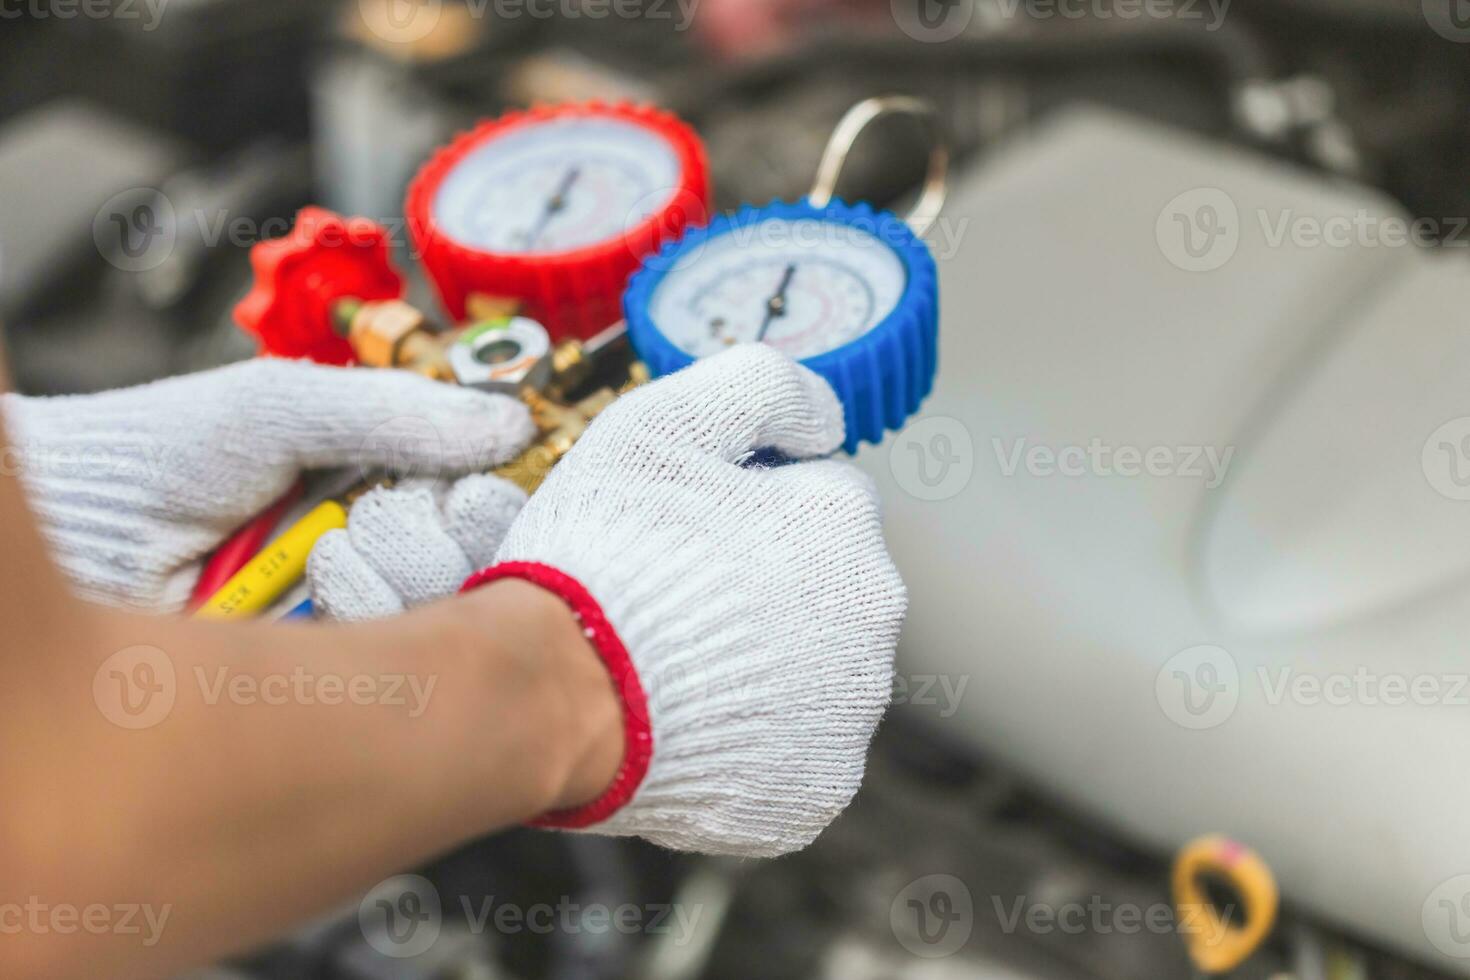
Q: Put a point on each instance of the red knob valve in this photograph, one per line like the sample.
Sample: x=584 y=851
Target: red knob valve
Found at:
x=301 y=276
x=550 y=210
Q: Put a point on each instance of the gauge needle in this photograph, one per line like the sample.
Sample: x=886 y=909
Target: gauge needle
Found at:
x=554 y=204
x=776 y=305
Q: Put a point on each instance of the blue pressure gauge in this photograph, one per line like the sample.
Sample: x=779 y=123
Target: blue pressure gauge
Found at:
x=849 y=291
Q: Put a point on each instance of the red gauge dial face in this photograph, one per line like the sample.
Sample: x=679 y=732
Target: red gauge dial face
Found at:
x=557 y=186
x=547 y=212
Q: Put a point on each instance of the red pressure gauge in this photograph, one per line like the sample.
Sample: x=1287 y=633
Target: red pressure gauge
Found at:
x=551 y=209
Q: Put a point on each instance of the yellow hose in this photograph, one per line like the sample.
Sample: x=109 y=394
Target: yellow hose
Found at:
x=270 y=574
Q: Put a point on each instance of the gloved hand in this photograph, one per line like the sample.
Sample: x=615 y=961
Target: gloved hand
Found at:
x=134 y=487
x=748 y=615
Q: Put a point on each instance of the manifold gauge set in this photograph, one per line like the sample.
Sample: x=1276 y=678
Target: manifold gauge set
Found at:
x=574 y=255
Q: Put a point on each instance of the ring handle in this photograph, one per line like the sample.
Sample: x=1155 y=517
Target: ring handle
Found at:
x=851 y=126
x=1214 y=944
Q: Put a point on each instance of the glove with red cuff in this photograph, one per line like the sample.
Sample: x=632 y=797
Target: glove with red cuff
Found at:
x=747 y=614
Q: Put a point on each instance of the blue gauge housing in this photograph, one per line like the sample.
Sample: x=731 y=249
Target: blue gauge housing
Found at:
x=881 y=377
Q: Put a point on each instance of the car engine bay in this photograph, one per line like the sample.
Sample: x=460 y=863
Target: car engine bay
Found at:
x=1025 y=772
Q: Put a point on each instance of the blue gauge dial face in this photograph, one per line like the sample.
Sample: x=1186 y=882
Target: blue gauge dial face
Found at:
x=803 y=286
x=557 y=186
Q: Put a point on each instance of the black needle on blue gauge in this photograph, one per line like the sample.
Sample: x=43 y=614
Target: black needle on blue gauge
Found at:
x=556 y=203
x=776 y=305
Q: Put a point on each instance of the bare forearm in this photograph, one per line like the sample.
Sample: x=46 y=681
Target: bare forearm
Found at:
x=244 y=777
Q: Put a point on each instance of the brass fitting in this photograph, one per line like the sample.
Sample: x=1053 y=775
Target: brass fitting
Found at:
x=483 y=306
x=392 y=333
x=561 y=426
x=505 y=355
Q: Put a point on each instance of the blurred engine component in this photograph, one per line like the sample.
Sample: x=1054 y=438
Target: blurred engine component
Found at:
x=1157 y=294
x=372 y=132
x=116 y=242
x=59 y=165
x=216 y=72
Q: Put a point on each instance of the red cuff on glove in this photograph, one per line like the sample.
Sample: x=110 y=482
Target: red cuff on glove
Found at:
x=637 y=735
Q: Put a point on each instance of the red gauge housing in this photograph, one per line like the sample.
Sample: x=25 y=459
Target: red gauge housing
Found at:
x=301 y=276
x=577 y=292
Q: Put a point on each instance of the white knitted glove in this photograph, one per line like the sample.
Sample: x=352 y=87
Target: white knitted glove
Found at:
x=409 y=545
x=748 y=615
x=134 y=487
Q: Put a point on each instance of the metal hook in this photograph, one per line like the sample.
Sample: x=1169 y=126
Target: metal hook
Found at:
x=926 y=209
